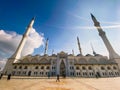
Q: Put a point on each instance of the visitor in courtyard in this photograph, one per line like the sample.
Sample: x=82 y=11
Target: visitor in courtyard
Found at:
x=1 y=76
x=9 y=77
x=58 y=79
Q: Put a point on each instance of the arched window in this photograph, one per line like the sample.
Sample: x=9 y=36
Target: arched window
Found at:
x=102 y=68
x=83 y=68
x=109 y=73
x=15 y=67
x=52 y=67
x=77 y=73
x=114 y=67
x=77 y=68
x=20 y=67
x=103 y=73
x=118 y=73
x=47 y=67
x=53 y=62
x=36 y=67
x=90 y=68
x=42 y=67
x=25 y=67
x=108 y=68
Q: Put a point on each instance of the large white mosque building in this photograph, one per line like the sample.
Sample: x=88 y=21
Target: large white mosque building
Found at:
x=63 y=63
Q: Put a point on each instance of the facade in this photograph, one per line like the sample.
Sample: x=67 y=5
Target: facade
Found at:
x=64 y=64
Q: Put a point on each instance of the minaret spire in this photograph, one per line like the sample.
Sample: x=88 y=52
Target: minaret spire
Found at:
x=79 y=46
x=112 y=53
x=52 y=51
x=93 y=49
x=17 y=53
x=46 y=47
x=72 y=52
x=16 y=56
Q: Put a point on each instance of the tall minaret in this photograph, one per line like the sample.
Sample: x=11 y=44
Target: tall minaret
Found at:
x=52 y=51
x=46 y=47
x=93 y=49
x=16 y=56
x=72 y=52
x=79 y=46
x=112 y=53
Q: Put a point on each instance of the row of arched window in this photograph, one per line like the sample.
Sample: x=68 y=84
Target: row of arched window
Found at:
x=53 y=67
x=110 y=73
x=25 y=73
x=42 y=67
x=84 y=74
x=90 y=68
x=91 y=73
x=84 y=68
x=109 y=68
x=71 y=67
x=36 y=67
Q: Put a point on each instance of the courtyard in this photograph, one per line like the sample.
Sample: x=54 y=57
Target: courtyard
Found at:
x=69 y=83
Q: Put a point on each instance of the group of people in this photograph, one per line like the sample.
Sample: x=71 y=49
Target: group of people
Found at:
x=8 y=77
x=57 y=79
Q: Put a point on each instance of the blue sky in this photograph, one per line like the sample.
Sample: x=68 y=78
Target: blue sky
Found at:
x=62 y=21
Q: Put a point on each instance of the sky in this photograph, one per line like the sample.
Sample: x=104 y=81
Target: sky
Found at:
x=61 y=21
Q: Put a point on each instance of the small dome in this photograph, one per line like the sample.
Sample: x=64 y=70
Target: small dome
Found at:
x=92 y=61
x=79 y=55
x=54 y=55
x=44 y=61
x=98 y=55
x=37 y=55
x=103 y=61
x=88 y=55
x=29 y=55
x=70 y=55
x=82 y=61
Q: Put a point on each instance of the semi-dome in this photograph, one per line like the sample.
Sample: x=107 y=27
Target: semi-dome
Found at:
x=92 y=61
x=88 y=55
x=79 y=55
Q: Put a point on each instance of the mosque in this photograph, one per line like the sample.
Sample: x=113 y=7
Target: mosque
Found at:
x=62 y=63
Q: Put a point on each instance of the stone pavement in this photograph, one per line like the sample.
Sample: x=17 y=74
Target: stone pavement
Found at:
x=32 y=83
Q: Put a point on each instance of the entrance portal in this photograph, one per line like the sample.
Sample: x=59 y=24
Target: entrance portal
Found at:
x=62 y=69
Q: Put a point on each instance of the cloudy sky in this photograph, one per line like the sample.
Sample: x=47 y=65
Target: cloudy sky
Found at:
x=61 y=21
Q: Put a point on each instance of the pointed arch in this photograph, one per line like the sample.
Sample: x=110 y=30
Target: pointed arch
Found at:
x=62 y=68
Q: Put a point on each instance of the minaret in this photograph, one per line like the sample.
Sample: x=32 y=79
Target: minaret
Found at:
x=72 y=52
x=112 y=53
x=16 y=56
x=46 y=47
x=79 y=46
x=52 y=51
x=93 y=49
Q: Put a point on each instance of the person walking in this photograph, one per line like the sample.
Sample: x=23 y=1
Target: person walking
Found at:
x=1 y=76
x=58 y=79
x=9 y=76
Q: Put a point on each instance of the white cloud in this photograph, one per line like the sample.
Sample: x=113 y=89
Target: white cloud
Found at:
x=9 y=41
x=35 y=40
